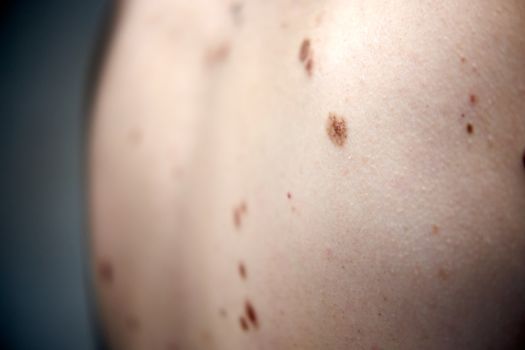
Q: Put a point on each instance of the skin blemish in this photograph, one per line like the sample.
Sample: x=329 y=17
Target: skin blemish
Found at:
x=135 y=137
x=238 y=213
x=336 y=129
x=236 y=12
x=523 y=159
x=473 y=99
x=443 y=274
x=251 y=314
x=171 y=346
x=243 y=323
x=470 y=128
x=132 y=323
x=223 y=313
x=105 y=271
x=289 y=195
x=242 y=271
x=218 y=54
x=305 y=56
x=435 y=230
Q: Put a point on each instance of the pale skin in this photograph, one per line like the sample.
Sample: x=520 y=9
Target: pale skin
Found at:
x=229 y=212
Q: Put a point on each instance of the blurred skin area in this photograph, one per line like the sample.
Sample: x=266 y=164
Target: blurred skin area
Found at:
x=311 y=175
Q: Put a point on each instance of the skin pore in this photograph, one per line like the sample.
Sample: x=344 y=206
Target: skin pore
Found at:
x=311 y=175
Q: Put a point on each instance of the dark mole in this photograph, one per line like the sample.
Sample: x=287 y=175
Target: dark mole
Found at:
x=218 y=54
x=105 y=271
x=523 y=158
x=132 y=323
x=289 y=195
x=243 y=323
x=305 y=56
x=336 y=129
x=470 y=128
x=242 y=270
x=473 y=99
x=251 y=314
x=238 y=212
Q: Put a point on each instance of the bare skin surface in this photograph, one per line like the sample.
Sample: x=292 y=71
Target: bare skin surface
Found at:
x=311 y=175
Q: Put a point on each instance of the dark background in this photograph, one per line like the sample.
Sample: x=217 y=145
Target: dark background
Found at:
x=46 y=50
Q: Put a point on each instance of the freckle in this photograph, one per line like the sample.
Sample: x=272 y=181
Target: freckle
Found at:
x=336 y=129
x=289 y=195
x=435 y=230
x=243 y=323
x=462 y=115
x=132 y=323
x=223 y=313
x=242 y=271
x=463 y=59
x=473 y=99
x=470 y=128
x=251 y=314
x=443 y=274
x=218 y=54
x=105 y=271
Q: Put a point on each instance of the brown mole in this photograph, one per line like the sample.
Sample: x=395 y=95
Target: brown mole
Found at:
x=238 y=213
x=470 y=128
x=218 y=53
x=105 y=271
x=243 y=323
x=251 y=314
x=336 y=129
x=242 y=271
x=305 y=56
x=443 y=274
x=289 y=195
x=435 y=230
x=473 y=99
x=523 y=158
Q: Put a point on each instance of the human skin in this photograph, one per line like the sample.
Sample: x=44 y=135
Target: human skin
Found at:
x=311 y=175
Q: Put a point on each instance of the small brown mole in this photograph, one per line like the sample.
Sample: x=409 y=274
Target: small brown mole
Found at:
x=289 y=195
x=218 y=54
x=473 y=99
x=306 y=56
x=523 y=158
x=251 y=314
x=242 y=271
x=223 y=312
x=435 y=230
x=443 y=274
x=238 y=212
x=105 y=271
x=243 y=323
x=336 y=129
x=470 y=128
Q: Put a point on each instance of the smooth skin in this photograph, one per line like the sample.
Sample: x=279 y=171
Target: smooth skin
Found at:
x=209 y=148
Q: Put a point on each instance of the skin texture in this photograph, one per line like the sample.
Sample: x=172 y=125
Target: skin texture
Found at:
x=366 y=191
